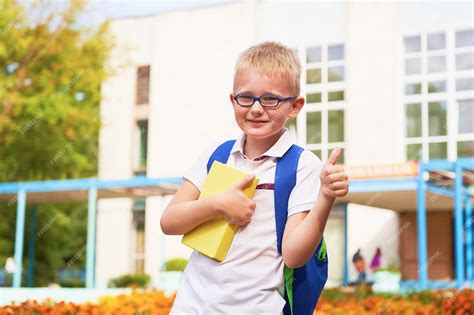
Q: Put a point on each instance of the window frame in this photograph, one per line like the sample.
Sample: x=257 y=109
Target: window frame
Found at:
x=450 y=96
x=324 y=106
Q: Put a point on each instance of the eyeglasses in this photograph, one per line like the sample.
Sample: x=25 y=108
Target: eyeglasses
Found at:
x=268 y=100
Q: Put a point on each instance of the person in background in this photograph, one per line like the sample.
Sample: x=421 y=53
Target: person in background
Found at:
x=376 y=260
x=359 y=264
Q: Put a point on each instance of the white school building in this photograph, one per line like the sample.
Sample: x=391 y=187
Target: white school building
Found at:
x=388 y=82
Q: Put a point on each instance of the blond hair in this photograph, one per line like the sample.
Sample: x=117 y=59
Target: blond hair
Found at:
x=273 y=59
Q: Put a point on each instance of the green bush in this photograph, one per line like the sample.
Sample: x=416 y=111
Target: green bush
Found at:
x=176 y=264
x=134 y=280
x=73 y=283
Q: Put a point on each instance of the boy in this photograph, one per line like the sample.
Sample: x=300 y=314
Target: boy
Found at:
x=250 y=280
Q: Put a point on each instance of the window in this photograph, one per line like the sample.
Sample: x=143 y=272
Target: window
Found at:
x=321 y=122
x=412 y=44
x=413 y=121
x=313 y=98
x=413 y=66
x=465 y=148
x=143 y=85
x=141 y=151
x=438 y=98
x=336 y=126
x=465 y=38
x=465 y=61
x=313 y=76
x=437 y=125
x=436 y=64
x=436 y=41
x=336 y=74
x=335 y=96
x=313 y=54
x=412 y=88
x=436 y=86
x=313 y=128
x=466 y=116
x=336 y=52
x=465 y=84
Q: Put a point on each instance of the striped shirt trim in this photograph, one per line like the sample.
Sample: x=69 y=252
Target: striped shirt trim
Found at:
x=267 y=186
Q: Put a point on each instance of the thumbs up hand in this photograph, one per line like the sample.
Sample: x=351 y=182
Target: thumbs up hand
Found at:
x=334 y=180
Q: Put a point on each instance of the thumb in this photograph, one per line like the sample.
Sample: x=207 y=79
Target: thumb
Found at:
x=246 y=182
x=334 y=156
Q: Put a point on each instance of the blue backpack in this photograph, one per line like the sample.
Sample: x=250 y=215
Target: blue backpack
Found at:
x=303 y=285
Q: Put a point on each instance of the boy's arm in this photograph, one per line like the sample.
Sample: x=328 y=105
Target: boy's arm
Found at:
x=185 y=211
x=304 y=230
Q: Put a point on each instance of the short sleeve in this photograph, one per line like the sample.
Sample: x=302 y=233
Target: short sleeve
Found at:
x=306 y=190
x=197 y=173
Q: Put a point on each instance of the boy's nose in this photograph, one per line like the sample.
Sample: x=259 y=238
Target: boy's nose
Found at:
x=256 y=107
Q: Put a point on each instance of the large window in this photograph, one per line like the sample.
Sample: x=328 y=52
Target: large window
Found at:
x=321 y=123
x=438 y=94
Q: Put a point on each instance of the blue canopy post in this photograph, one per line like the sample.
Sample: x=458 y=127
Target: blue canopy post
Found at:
x=19 y=237
x=421 y=229
x=91 y=234
x=458 y=230
x=53 y=190
x=469 y=245
x=345 y=271
x=31 y=247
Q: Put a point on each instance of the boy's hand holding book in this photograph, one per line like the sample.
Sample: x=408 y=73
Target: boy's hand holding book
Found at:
x=230 y=191
x=234 y=205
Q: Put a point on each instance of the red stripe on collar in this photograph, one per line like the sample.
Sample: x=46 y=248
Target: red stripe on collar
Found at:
x=268 y=186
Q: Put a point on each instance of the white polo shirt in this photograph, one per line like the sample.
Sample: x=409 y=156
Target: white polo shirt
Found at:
x=250 y=280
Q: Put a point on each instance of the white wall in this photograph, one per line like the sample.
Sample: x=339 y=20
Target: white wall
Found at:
x=114 y=235
x=301 y=23
x=160 y=247
x=424 y=16
x=116 y=140
x=192 y=73
x=374 y=132
x=334 y=237
x=369 y=228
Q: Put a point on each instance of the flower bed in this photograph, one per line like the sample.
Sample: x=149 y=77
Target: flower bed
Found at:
x=333 y=301
x=138 y=302
x=362 y=301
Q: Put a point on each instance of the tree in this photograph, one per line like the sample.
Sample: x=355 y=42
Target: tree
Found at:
x=51 y=70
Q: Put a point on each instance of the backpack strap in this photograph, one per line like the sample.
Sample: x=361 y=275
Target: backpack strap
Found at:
x=285 y=180
x=221 y=154
x=303 y=285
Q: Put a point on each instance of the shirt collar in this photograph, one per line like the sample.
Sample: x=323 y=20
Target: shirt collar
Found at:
x=285 y=141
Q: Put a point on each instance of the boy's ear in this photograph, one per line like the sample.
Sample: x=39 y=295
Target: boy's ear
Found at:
x=296 y=107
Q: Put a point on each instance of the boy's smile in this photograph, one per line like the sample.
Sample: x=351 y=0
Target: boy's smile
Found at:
x=263 y=126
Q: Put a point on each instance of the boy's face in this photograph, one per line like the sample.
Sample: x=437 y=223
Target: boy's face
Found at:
x=261 y=122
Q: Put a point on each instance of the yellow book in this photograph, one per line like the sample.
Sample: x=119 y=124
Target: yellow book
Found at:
x=214 y=237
